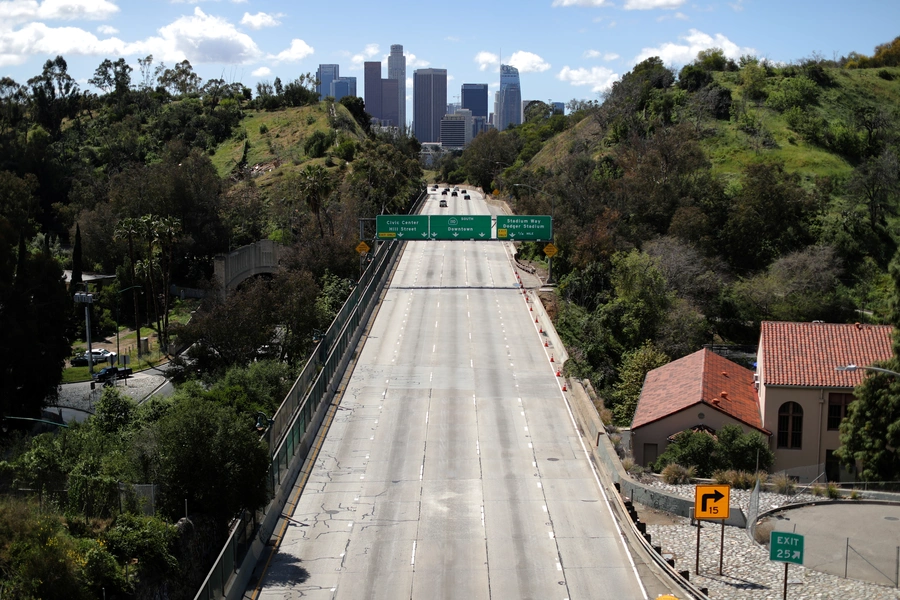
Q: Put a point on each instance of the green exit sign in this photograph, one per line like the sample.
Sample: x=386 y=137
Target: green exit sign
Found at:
x=524 y=228
x=786 y=547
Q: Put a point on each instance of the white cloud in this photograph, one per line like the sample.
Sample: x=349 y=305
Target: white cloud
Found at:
x=591 y=54
x=200 y=38
x=39 y=39
x=580 y=3
x=679 y=16
x=261 y=72
x=528 y=62
x=260 y=20
x=20 y=11
x=107 y=30
x=652 y=4
x=599 y=78
x=298 y=51
x=368 y=53
x=694 y=42
x=610 y=56
x=414 y=62
x=486 y=60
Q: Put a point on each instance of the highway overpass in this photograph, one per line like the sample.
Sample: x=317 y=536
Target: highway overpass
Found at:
x=452 y=468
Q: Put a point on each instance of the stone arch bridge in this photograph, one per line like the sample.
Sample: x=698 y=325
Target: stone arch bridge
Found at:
x=247 y=261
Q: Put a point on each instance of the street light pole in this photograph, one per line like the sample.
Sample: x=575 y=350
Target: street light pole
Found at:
x=851 y=368
x=87 y=299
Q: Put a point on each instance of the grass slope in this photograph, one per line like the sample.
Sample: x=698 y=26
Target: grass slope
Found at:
x=730 y=149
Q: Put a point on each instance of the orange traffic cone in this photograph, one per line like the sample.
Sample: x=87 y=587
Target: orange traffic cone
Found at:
x=551 y=358
x=564 y=387
x=558 y=374
x=546 y=344
x=531 y=309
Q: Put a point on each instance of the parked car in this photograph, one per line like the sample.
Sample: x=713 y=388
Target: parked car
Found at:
x=99 y=356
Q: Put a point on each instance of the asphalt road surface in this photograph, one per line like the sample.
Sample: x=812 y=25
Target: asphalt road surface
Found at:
x=453 y=468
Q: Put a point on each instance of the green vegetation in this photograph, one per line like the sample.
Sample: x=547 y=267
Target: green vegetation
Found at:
x=730 y=449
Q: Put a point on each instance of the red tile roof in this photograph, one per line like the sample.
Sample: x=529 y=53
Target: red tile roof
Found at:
x=701 y=377
x=806 y=354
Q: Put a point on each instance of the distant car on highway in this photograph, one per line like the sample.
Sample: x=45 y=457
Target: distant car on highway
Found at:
x=443 y=203
x=467 y=197
x=99 y=356
x=444 y=193
x=454 y=193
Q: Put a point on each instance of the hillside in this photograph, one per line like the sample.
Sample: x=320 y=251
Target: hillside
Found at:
x=756 y=130
x=274 y=140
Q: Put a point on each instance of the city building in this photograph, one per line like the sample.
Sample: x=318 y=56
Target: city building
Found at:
x=429 y=103
x=343 y=86
x=475 y=98
x=372 y=83
x=325 y=75
x=389 y=105
x=559 y=108
x=456 y=129
x=397 y=71
x=509 y=104
x=453 y=107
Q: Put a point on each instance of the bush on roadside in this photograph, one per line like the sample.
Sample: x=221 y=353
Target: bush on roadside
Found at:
x=833 y=490
x=675 y=474
x=783 y=484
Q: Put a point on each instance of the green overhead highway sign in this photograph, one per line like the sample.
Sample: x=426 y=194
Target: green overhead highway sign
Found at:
x=401 y=227
x=524 y=227
x=460 y=227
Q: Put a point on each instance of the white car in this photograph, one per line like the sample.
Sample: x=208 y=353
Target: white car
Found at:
x=99 y=356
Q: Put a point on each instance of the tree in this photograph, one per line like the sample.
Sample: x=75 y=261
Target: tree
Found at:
x=210 y=458
x=54 y=95
x=315 y=185
x=357 y=108
x=181 y=79
x=870 y=433
x=635 y=366
x=487 y=156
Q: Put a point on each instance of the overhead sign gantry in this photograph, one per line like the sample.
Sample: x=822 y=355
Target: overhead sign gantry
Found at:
x=520 y=228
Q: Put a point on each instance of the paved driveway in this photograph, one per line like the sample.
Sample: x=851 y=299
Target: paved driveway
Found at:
x=859 y=539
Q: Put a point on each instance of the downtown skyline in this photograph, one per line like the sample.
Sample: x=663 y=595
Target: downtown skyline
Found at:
x=563 y=49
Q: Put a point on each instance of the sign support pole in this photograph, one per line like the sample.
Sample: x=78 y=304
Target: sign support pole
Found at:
x=785 y=579
x=722 y=547
x=697 y=565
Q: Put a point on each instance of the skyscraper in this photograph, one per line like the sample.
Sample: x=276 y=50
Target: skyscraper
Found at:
x=429 y=103
x=343 y=86
x=475 y=98
x=389 y=104
x=326 y=74
x=510 y=98
x=397 y=70
x=372 y=82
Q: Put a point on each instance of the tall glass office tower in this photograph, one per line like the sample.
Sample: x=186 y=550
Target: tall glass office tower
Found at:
x=429 y=103
x=397 y=70
x=326 y=74
x=510 y=98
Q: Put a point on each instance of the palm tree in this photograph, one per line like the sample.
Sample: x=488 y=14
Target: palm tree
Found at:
x=315 y=186
x=128 y=228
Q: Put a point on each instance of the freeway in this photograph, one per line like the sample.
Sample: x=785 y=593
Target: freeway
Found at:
x=452 y=468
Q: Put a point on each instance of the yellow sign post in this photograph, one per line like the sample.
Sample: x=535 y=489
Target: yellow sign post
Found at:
x=362 y=248
x=711 y=502
x=550 y=250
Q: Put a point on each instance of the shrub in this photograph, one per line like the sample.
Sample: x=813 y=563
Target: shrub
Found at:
x=832 y=490
x=723 y=477
x=263 y=129
x=675 y=474
x=855 y=494
x=783 y=484
x=817 y=490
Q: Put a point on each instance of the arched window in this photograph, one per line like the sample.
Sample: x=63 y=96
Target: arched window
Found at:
x=790 y=425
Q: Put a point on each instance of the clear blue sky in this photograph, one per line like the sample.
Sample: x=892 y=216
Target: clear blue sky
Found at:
x=563 y=49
